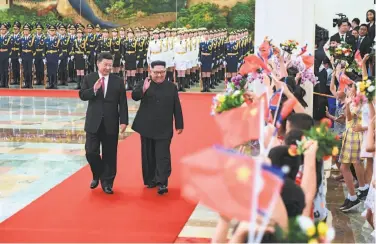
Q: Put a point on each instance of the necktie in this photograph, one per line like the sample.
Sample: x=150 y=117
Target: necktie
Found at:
x=359 y=42
x=103 y=85
x=342 y=38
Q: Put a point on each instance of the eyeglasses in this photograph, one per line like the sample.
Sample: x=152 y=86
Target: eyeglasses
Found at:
x=159 y=72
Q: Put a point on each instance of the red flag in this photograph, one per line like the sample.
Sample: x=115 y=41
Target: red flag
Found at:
x=223 y=180
x=358 y=58
x=275 y=100
x=308 y=61
x=251 y=64
x=344 y=81
x=239 y=125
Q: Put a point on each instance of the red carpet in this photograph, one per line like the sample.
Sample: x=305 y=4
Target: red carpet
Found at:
x=71 y=212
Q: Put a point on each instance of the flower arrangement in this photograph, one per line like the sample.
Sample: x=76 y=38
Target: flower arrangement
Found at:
x=303 y=230
x=289 y=46
x=226 y=101
x=359 y=100
x=354 y=67
x=342 y=51
x=237 y=83
x=366 y=88
x=309 y=76
x=328 y=142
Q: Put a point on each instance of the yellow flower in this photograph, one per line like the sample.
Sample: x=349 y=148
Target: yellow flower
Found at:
x=322 y=228
x=311 y=231
x=221 y=98
x=335 y=152
x=318 y=130
x=312 y=241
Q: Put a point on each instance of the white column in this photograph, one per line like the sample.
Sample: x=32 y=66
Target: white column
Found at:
x=282 y=20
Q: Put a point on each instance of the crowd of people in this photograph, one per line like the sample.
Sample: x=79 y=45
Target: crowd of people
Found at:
x=65 y=53
x=344 y=95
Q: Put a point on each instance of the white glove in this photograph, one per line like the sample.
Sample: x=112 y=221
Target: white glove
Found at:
x=137 y=62
x=199 y=63
x=72 y=57
x=10 y=60
x=44 y=61
x=20 y=60
x=123 y=61
x=212 y=65
x=224 y=63
x=85 y=57
x=68 y=59
x=33 y=60
x=58 y=62
x=95 y=54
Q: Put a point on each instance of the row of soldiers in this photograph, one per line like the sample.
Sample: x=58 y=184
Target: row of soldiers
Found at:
x=65 y=53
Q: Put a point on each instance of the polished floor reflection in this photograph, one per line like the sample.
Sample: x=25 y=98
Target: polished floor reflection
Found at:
x=41 y=144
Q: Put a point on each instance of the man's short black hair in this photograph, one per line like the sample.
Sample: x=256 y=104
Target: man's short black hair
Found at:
x=365 y=25
x=104 y=55
x=158 y=63
x=300 y=121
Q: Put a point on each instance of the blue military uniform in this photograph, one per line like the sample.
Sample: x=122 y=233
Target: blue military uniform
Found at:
x=27 y=50
x=5 y=51
x=91 y=41
x=232 y=56
x=52 y=51
x=15 y=55
x=64 y=56
x=206 y=59
x=39 y=54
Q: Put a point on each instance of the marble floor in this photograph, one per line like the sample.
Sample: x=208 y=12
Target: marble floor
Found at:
x=41 y=144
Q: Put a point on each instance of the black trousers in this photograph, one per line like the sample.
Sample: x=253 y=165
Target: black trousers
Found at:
x=27 y=65
x=156 y=160
x=103 y=168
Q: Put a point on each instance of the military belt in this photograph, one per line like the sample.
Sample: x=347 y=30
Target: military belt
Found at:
x=26 y=51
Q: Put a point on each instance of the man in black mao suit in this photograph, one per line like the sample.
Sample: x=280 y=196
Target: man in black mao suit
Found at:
x=107 y=106
x=159 y=106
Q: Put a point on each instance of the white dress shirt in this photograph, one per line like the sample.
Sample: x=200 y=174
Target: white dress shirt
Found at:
x=105 y=83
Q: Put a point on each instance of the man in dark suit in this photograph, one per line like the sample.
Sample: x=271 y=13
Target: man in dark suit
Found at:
x=159 y=106
x=363 y=43
x=343 y=34
x=107 y=105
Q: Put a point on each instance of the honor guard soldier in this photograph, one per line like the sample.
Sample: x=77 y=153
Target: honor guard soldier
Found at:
x=91 y=43
x=206 y=61
x=141 y=54
x=145 y=35
x=5 y=51
x=170 y=53
x=72 y=37
x=116 y=51
x=27 y=49
x=105 y=43
x=64 y=55
x=123 y=37
x=98 y=36
x=180 y=51
x=130 y=57
x=155 y=48
x=15 y=55
x=39 y=54
x=79 y=56
x=232 y=56
x=53 y=49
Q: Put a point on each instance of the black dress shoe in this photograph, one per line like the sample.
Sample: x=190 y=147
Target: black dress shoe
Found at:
x=151 y=185
x=94 y=183
x=108 y=190
x=162 y=190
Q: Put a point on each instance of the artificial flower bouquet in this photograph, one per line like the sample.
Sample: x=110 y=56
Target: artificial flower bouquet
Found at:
x=354 y=67
x=303 y=230
x=226 y=101
x=289 y=46
x=328 y=142
x=366 y=88
x=237 y=83
x=341 y=51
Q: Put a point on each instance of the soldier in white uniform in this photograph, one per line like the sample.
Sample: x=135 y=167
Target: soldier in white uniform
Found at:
x=170 y=60
x=155 y=48
x=180 y=54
